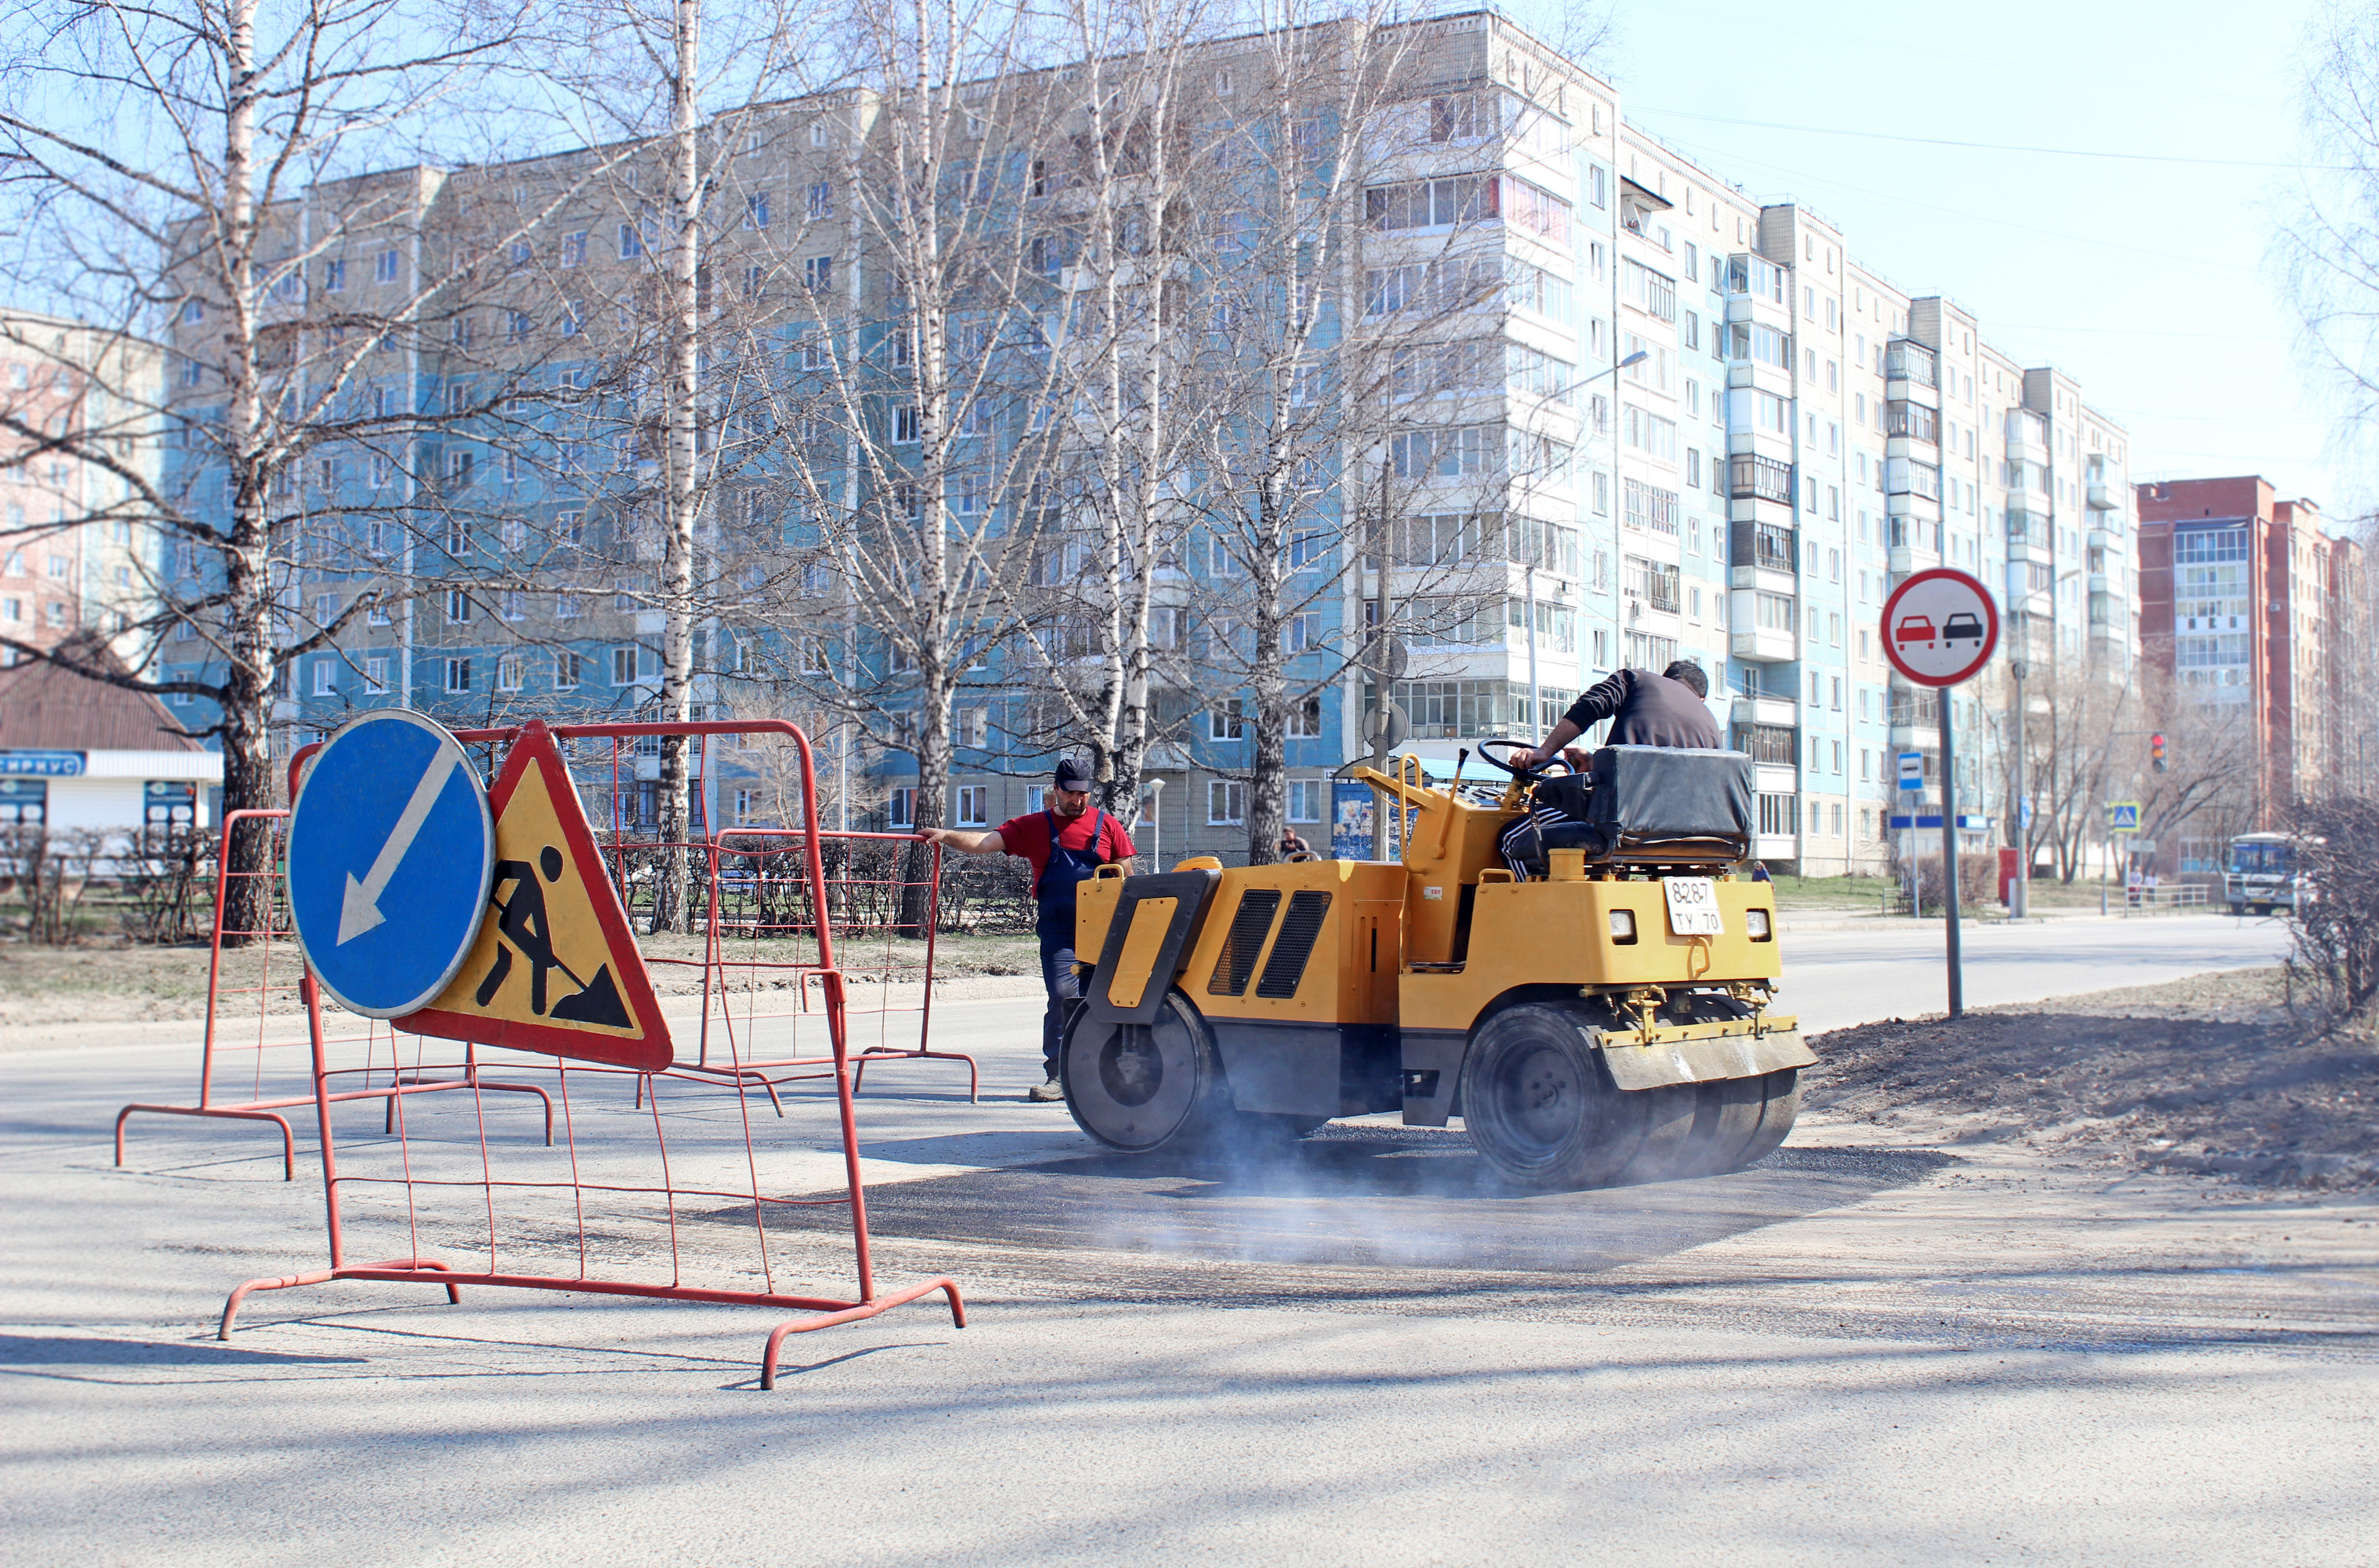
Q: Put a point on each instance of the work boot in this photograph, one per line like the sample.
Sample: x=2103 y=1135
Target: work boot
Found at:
x=1046 y=1093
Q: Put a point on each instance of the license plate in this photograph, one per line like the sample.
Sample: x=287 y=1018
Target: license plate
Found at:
x=1693 y=906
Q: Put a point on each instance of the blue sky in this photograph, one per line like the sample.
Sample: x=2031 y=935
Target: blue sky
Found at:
x=2147 y=280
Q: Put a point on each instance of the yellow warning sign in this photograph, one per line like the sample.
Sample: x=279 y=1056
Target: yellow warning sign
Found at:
x=555 y=968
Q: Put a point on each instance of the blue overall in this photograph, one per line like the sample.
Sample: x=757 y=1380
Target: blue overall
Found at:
x=1054 y=892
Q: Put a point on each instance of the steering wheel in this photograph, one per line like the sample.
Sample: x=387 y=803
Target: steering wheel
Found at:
x=1529 y=775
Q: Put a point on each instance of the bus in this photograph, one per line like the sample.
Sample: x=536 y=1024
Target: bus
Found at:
x=2262 y=874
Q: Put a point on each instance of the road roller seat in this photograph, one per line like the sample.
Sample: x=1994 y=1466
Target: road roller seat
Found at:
x=1644 y=804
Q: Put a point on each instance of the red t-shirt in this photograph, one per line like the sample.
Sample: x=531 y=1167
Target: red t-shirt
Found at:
x=1027 y=837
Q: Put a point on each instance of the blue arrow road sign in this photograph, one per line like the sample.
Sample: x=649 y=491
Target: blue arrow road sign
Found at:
x=390 y=852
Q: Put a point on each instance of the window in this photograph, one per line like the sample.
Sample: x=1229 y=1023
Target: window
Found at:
x=1227 y=802
x=1305 y=798
x=974 y=805
x=326 y=609
x=904 y=423
x=624 y=667
x=458 y=675
x=516 y=326
x=515 y=605
x=756 y=211
x=334 y=277
x=458 y=607
x=574 y=248
x=1654 y=293
x=819 y=200
x=1305 y=721
x=384 y=266
x=326 y=677
x=1226 y=721
x=817 y=273
x=508 y=674
x=569 y=669
x=376 y=675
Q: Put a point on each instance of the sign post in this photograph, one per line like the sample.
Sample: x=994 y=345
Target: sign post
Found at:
x=1939 y=629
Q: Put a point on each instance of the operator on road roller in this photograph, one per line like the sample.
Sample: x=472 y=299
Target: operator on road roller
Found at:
x=1645 y=710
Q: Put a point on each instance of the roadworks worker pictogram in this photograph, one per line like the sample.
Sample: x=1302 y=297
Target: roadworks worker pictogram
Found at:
x=555 y=967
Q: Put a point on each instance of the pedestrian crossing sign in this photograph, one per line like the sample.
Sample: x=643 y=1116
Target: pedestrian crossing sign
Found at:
x=555 y=967
x=2122 y=816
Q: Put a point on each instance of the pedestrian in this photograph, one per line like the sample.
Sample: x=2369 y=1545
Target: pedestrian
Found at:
x=1065 y=842
x=1760 y=871
x=1293 y=843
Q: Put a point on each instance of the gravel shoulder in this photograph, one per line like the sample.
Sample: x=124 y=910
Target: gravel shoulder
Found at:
x=2212 y=1075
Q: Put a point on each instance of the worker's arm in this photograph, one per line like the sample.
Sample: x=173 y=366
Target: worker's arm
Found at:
x=1594 y=705
x=989 y=844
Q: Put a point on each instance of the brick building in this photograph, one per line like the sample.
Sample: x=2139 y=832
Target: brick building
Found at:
x=2245 y=601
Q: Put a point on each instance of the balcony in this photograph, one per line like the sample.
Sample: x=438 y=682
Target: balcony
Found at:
x=1765 y=645
x=1763 y=548
x=1910 y=373
x=1754 y=478
x=1766 y=708
x=2105 y=494
x=1912 y=422
x=2027 y=435
x=1768 y=745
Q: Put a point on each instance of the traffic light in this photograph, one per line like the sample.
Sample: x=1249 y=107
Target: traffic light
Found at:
x=2155 y=752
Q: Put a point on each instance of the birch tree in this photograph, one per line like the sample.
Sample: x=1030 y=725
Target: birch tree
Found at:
x=165 y=171
x=920 y=400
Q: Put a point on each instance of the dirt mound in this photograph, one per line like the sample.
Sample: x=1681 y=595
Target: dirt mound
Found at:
x=2211 y=1075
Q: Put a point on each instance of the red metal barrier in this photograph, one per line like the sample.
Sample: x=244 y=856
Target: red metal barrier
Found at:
x=634 y=1163
x=776 y=911
x=273 y=948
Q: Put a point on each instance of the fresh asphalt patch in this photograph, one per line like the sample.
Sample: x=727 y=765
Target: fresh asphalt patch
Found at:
x=1357 y=1197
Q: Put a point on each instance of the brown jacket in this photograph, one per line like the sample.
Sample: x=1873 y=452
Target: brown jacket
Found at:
x=1646 y=711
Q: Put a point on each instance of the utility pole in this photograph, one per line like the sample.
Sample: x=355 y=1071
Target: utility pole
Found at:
x=2020 y=895
x=1382 y=537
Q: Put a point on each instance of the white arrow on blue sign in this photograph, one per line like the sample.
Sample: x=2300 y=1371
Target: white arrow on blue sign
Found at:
x=391 y=853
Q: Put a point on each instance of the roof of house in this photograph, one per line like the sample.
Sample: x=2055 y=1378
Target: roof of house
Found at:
x=44 y=707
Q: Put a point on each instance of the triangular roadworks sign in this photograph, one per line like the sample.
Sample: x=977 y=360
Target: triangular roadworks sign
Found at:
x=555 y=968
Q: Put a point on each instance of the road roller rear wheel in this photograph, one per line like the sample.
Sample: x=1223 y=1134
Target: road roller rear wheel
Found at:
x=1139 y=1087
x=1540 y=1104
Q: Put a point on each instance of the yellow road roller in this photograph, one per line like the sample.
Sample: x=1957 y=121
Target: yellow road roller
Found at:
x=1597 y=1013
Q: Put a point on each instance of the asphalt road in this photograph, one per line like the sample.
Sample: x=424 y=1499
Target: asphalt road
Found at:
x=1884 y=1345
x=1899 y=970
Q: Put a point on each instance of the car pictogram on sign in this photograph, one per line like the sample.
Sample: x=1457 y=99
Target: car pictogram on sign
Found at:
x=1963 y=628
x=1915 y=629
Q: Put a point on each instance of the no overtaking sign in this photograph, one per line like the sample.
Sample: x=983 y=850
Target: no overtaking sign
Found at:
x=1940 y=627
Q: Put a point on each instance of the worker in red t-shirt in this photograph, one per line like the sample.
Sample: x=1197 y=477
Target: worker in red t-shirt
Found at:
x=1064 y=843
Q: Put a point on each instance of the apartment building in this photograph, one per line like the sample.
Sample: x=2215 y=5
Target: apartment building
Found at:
x=72 y=559
x=2249 y=605
x=1795 y=433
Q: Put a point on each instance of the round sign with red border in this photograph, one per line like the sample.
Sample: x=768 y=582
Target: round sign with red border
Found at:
x=1940 y=627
